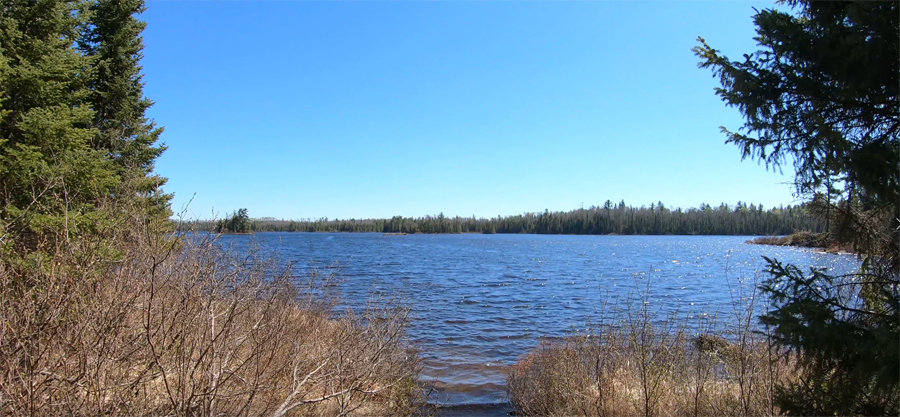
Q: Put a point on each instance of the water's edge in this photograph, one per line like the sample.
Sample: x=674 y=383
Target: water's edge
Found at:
x=480 y=302
x=468 y=410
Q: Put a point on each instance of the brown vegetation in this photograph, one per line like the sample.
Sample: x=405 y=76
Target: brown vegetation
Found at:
x=804 y=240
x=177 y=327
x=637 y=367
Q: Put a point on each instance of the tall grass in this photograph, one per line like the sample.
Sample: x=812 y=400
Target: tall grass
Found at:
x=176 y=327
x=638 y=365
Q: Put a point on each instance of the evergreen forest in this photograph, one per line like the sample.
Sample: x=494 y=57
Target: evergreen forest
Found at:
x=657 y=219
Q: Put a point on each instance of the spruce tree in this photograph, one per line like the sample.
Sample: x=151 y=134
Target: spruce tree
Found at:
x=76 y=147
x=50 y=175
x=823 y=91
x=112 y=40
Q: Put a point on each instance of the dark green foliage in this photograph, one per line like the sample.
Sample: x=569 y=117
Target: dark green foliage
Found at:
x=50 y=176
x=75 y=146
x=824 y=91
x=239 y=222
x=112 y=39
x=846 y=331
x=741 y=219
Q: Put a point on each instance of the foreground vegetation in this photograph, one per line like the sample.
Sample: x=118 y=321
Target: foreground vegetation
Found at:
x=642 y=366
x=805 y=100
x=740 y=219
x=102 y=310
x=829 y=345
x=180 y=328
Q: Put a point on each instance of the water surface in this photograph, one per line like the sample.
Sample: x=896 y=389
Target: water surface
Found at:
x=480 y=301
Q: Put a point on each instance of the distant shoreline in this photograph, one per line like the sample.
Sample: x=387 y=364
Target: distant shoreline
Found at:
x=756 y=241
x=739 y=220
x=804 y=240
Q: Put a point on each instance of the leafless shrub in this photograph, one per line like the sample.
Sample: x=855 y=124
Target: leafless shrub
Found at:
x=176 y=327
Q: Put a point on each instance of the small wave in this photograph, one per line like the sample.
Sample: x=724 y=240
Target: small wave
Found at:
x=471 y=393
x=514 y=336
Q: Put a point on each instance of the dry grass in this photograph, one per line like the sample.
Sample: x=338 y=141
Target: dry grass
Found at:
x=179 y=328
x=799 y=239
x=640 y=367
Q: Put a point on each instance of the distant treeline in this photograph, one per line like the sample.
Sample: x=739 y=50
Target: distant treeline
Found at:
x=740 y=219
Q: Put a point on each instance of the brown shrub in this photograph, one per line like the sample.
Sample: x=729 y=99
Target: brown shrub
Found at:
x=619 y=378
x=799 y=239
x=177 y=327
x=638 y=367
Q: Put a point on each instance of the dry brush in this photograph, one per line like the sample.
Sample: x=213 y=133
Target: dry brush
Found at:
x=178 y=327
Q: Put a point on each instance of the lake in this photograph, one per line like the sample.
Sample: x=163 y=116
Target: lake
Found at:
x=480 y=301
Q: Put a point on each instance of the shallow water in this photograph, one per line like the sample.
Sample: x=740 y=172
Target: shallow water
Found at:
x=480 y=301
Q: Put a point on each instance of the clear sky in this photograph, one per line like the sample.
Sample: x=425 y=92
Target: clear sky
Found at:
x=372 y=109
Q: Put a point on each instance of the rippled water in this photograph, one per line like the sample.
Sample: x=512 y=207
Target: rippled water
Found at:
x=480 y=301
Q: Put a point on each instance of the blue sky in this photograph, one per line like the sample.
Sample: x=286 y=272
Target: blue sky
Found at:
x=373 y=109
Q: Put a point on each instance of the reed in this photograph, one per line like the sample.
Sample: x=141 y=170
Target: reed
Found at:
x=638 y=365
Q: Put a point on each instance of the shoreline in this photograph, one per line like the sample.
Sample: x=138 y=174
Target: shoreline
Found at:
x=501 y=409
x=753 y=241
x=818 y=242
